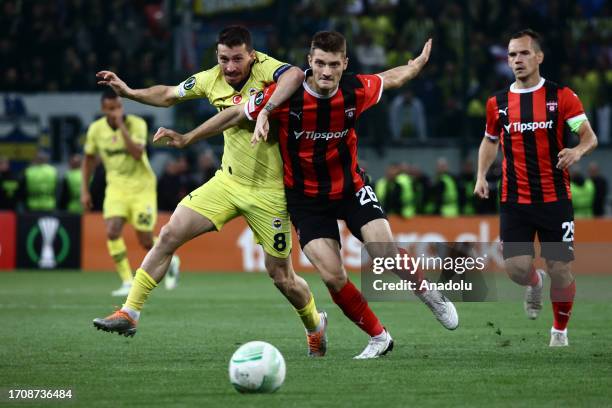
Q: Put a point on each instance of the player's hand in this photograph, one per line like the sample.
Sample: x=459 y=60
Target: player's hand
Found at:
x=174 y=139
x=419 y=62
x=481 y=189
x=111 y=79
x=86 y=201
x=262 y=127
x=567 y=157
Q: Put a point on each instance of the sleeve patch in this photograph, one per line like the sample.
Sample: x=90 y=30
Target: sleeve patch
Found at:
x=258 y=98
x=189 y=83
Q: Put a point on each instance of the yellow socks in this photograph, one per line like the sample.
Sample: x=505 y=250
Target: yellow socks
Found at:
x=141 y=288
x=309 y=315
x=118 y=252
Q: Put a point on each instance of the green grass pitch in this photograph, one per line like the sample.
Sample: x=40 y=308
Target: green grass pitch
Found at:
x=179 y=356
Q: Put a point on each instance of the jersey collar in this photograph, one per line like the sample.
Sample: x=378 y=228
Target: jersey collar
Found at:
x=312 y=92
x=514 y=89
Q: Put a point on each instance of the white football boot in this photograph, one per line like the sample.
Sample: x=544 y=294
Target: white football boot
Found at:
x=377 y=346
x=558 y=338
x=172 y=275
x=533 y=297
x=442 y=308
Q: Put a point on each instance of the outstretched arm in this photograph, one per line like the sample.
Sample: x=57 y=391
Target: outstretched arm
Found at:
x=158 y=95
x=398 y=76
x=286 y=85
x=223 y=120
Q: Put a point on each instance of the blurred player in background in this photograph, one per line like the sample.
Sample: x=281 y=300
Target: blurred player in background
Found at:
x=322 y=178
x=532 y=118
x=130 y=194
x=249 y=183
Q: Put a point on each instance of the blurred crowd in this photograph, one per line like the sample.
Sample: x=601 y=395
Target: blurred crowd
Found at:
x=468 y=61
x=42 y=186
x=60 y=44
x=404 y=190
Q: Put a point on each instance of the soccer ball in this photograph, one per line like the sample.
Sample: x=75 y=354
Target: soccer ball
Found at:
x=257 y=366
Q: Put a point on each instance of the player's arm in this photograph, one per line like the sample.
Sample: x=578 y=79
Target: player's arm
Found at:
x=287 y=84
x=223 y=120
x=158 y=95
x=588 y=143
x=398 y=76
x=486 y=156
x=488 y=148
x=134 y=149
x=87 y=168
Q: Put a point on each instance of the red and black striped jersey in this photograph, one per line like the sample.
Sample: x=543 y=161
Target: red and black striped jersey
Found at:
x=317 y=135
x=533 y=126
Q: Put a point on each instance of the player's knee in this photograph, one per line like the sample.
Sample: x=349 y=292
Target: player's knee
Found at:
x=518 y=272
x=168 y=238
x=113 y=233
x=560 y=273
x=281 y=275
x=335 y=282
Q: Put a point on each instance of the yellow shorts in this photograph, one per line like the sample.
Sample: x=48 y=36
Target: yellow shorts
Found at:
x=140 y=210
x=222 y=199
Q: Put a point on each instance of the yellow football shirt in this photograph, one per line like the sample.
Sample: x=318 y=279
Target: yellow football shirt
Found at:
x=124 y=174
x=260 y=166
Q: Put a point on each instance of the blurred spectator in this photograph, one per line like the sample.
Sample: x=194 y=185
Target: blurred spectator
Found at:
x=407 y=117
x=70 y=198
x=174 y=184
x=207 y=166
x=9 y=186
x=396 y=193
x=97 y=188
x=446 y=192
x=467 y=182
x=583 y=194
x=422 y=190
x=371 y=56
x=601 y=190
x=39 y=185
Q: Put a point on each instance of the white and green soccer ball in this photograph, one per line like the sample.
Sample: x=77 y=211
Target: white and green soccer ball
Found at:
x=257 y=366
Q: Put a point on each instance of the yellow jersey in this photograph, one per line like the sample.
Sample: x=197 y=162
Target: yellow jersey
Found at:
x=260 y=166
x=124 y=174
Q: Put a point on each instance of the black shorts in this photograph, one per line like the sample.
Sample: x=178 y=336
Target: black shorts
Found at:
x=318 y=218
x=553 y=222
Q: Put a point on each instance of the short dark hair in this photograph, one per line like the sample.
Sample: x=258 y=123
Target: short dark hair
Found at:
x=328 y=41
x=108 y=93
x=234 y=35
x=534 y=35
